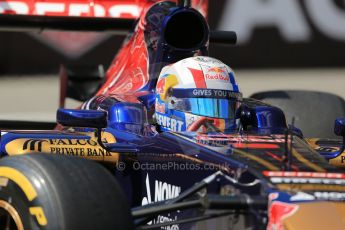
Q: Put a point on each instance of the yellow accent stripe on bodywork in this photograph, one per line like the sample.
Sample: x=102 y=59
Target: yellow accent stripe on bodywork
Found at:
x=316 y=215
x=257 y=159
x=312 y=142
x=20 y=180
x=300 y=158
x=88 y=148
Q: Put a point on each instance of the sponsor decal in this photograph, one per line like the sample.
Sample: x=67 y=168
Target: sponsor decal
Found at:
x=214 y=93
x=80 y=42
x=226 y=138
x=163 y=191
x=304 y=174
x=330 y=195
x=302 y=196
x=217 y=73
x=95 y=8
x=310 y=187
x=202 y=92
x=87 y=148
x=207 y=60
x=73 y=147
x=254 y=146
x=161 y=84
x=72 y=8
x=164 y=83
x=277 y=212
x=338 y=161
x=169 y=123
x=216 y=143
x=306 y=180
x=160 y=107
x=33 y=144
x=294 y=19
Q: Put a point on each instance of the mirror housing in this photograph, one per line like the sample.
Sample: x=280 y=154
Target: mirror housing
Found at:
x=82 y=118
x=262 y=118
x=125 y=116
x=339 y=130
x=339 y=127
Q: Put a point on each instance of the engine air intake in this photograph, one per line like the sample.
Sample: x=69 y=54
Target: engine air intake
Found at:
x=186 y=30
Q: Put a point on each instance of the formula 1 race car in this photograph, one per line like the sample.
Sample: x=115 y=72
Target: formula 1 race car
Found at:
x=166 y=142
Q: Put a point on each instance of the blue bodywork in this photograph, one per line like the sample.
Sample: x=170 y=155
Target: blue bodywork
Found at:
x=154 y=165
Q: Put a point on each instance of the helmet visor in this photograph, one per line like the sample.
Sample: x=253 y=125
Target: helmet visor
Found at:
x=208 y=107
x=206 y=102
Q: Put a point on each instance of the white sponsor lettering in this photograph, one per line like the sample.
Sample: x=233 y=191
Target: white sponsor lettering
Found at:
x=202 y=92
x=220 y=93
x=330 y=195
x=14 y=7
x=328 y=18
x=78 y=9
x=99 y=10
x=285 y=15
x=170 y=123
x=302 y=196
x=301 y=180
x=304 y=174
x=117 y=10
x=215 y=93
x=70 y=9
x=230 y=138
x=163 y=191
x=44 y=8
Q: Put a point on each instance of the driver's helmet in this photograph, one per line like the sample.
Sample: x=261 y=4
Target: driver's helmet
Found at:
x=195 y=94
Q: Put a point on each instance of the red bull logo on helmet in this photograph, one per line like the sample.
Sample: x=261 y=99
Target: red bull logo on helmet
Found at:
x=216 y=70
x=217 y=73
x=164 y=83
x=160 y=85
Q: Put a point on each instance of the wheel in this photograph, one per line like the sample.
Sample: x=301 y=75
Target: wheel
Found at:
x=314 y=112
x=41 y=191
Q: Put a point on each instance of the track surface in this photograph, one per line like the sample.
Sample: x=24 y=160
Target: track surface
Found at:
x=35 y=98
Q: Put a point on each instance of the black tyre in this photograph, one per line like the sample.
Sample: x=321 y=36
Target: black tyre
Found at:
x=315 y=112
x=41 y=191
